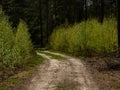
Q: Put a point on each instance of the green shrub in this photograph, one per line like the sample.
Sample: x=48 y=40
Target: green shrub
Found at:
x=23 y=46
x=15 y=49
x=6 y=42
x=87 y=38
x=59 y=38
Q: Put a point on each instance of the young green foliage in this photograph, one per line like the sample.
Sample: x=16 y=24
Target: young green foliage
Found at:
x=15 y=50
x=87 y=38
x=6 y=41
x=23 y=45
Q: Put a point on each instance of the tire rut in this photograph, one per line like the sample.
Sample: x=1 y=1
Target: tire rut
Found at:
x=69 y=74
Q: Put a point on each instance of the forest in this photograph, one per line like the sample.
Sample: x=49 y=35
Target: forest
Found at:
x=34 y=32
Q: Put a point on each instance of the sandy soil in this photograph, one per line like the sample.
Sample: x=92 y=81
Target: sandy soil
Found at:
x=69 y=74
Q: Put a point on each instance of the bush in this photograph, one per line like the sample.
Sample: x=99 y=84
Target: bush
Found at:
x=6 y=42
x=15 y=49
x=59 y=37
x=23 y=47
x=87 y=38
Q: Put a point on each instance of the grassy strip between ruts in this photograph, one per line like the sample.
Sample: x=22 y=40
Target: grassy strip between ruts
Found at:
x=16 y=80
x=53 y=56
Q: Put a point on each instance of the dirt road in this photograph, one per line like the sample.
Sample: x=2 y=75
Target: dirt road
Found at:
x=69 y=74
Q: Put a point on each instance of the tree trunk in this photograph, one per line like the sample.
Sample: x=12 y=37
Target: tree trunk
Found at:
x=101 y=17
x=85 y=9
x=55 y=13
x=41 y=29
x=118 y=19
x=0 y=2
x=47 y=19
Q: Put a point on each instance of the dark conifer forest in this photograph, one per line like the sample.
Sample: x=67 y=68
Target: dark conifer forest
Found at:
x=42 y=16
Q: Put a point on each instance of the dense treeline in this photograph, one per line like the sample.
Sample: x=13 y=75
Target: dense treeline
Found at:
x=15 y=47
x=42 y=16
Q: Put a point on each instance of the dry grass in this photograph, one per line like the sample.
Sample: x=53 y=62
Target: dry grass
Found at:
x=108 y=78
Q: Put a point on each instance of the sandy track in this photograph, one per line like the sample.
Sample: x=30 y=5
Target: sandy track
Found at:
x=69 y=74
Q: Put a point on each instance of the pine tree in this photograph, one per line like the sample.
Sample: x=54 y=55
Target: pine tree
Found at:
x=23 y=46
x=6 y=41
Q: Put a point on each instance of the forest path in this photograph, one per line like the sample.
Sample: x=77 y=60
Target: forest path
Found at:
x=69 y=74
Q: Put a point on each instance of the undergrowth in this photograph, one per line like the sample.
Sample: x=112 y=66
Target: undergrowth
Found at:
x=15 y=82
x=86 y=38
x=15 y=48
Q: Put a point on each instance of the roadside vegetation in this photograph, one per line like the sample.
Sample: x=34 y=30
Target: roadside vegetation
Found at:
x=98 y=43
x=87 y=38
x=15 y=48
x=16 y=80
x=16 y=52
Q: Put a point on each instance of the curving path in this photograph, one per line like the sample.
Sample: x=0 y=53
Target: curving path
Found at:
x=69 y=74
